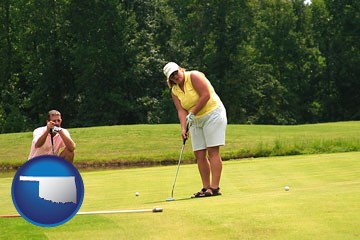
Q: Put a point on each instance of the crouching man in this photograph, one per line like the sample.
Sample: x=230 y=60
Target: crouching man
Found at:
x=52 y=139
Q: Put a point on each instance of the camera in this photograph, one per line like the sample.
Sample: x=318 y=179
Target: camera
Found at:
x=56 y=129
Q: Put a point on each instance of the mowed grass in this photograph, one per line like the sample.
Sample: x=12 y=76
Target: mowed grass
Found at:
x=161 y=143
x=323 y=202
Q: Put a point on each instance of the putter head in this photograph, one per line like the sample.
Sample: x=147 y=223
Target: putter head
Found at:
x=169 y=199
x=157 y=209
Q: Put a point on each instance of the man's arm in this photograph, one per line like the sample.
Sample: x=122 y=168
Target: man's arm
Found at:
x=41 y=140
x=69 y=143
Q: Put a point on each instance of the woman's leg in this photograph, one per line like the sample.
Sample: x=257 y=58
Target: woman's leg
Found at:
x=215 y=166
x=204 y=167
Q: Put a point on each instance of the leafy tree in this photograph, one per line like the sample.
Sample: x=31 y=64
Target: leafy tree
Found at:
x=43 y=70
x=100 y=62
x=102 y=54
x=152 y=49
x=342 y=51
x=281 y=41
x=11 y=85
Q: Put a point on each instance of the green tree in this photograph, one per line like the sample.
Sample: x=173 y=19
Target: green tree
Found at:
x=152 y=49
x=342 y=51
x=44 y=70
x=11 y=85
x=102 y=54
x=100 y=62
x=281 y=40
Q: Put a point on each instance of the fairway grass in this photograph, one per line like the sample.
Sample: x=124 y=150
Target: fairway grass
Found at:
x=159 y=144
x=323 y=202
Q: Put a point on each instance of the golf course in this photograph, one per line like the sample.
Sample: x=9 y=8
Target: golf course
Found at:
x=318 y=162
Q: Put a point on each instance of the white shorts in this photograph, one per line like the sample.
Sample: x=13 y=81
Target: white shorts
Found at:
x=209 y=130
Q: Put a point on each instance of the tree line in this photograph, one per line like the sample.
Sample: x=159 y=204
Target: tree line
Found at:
x=100 y=61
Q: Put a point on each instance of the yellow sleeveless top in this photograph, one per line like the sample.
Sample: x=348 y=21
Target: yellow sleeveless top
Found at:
x=189 y=96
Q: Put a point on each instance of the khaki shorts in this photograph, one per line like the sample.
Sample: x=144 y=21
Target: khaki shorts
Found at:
x=209 y=130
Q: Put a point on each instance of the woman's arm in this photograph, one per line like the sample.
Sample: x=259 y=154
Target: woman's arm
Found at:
x=181 y=114
x=199 y=83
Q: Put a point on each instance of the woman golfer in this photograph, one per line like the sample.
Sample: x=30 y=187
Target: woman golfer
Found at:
x=200 y=108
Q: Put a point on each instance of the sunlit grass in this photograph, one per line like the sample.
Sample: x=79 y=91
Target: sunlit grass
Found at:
x=323 y=202
x=153 y=144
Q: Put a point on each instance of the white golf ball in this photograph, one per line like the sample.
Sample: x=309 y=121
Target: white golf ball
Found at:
x=286 y=188
x=137 y=194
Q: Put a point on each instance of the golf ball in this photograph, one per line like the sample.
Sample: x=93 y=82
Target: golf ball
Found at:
x=286 y=188
x=137 y=194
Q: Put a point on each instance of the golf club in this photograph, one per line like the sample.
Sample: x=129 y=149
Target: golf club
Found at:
x=52 y=141
x=154 y=210
x=177 y=169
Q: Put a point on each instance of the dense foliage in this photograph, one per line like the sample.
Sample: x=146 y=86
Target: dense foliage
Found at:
x=100 y=61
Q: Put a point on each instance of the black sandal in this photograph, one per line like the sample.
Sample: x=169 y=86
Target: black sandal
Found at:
x=201 y=193
x=213 y=192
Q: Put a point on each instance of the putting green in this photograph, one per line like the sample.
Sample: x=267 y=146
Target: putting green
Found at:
x=322 y=203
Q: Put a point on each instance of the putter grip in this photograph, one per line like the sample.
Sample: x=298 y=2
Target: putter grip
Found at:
x=187 y=130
